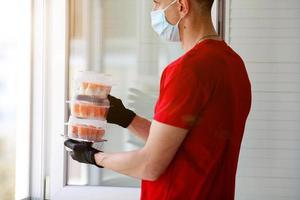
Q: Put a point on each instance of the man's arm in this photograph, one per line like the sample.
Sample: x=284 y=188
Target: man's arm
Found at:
x=151 y=161
x=140 y=127
x=126 y=118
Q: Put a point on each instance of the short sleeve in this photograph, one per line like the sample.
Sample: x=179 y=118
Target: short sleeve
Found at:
x=182 y=97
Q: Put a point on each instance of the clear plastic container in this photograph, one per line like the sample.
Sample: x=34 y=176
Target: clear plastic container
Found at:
x=89 y=109
x=86 y=129
x=93 y=84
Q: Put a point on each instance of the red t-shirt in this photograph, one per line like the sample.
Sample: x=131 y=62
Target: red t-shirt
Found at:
x=208 y=92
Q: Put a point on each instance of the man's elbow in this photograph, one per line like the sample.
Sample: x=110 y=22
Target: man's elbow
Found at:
x=152 y=172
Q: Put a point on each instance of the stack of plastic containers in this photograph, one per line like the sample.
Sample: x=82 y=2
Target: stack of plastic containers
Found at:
x=89 y=106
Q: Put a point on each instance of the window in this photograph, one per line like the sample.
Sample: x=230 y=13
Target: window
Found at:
x=15 y=98
x=112 y=37
x=105 y=39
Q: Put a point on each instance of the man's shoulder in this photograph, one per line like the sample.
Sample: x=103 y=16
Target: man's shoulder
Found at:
x=188 y=64
x=177 y=68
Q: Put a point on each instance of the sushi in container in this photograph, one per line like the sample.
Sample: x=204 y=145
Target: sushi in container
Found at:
x=91 y=108
x=86 y=129
x=93 y=84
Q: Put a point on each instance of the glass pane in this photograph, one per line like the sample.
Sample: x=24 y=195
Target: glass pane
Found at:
x=115 y=37
x=14 y=60
x=7 y=125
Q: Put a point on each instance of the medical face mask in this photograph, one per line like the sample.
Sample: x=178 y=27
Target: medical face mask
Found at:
x=162 y=27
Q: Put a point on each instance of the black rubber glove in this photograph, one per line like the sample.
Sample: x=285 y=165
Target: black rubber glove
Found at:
x=118 y=114
x=82 y=151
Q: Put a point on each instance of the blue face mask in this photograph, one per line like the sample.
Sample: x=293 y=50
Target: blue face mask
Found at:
x=162 y=27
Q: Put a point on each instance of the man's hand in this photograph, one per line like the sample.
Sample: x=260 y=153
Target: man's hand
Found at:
x=82 y=151
x=118 y=114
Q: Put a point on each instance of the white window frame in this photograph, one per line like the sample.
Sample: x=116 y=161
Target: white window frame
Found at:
x=23 y=120
x=49 y=111
x=38 y=99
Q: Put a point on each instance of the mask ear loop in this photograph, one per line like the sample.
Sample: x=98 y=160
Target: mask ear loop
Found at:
x=169 y=5
x=179 y=21
x=177 y=25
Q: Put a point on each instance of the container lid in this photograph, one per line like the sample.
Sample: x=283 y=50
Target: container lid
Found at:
x=92 y=99
x=95 y=102
x=66 y=137
x=89 y=122
x=94 y=77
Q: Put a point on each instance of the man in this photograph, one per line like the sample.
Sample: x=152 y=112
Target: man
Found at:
x=192 y=145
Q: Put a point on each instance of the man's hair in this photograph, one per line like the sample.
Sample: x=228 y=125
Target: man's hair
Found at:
x=205 y=4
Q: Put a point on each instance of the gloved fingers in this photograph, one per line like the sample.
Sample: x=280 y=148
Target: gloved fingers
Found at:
x=115 y=102
x=72 y=154
x=71 y=143
x=76 y=145
x=78 y=156
x=111 y=98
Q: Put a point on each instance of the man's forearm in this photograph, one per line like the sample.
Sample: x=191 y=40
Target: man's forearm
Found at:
x=140 y=127
x=133 y=163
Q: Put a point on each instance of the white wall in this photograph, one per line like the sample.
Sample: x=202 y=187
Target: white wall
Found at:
x=266 y=33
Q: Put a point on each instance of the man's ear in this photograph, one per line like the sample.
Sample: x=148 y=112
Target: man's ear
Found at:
x=184 y=7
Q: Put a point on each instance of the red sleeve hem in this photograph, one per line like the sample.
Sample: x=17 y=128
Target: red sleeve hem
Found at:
x=169 y=121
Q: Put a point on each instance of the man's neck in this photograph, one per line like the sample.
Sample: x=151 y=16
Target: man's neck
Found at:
x=194 y=29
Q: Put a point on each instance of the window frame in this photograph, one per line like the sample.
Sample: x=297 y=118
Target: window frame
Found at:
x=23 y=117
x=57 y=75
x=38 y=99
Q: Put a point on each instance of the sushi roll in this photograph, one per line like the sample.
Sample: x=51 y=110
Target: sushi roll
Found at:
x=74 y=131
x=93 y=89
x=83 y=132
x=89 y=110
